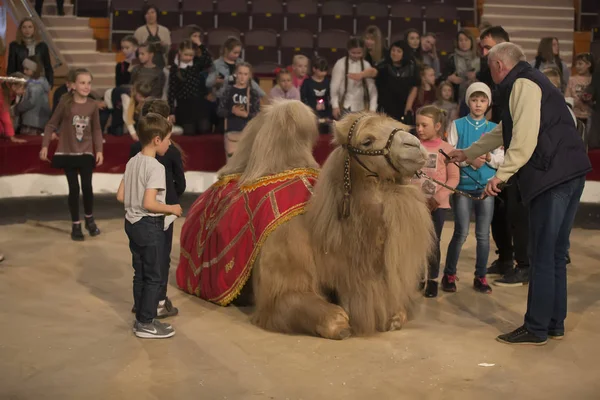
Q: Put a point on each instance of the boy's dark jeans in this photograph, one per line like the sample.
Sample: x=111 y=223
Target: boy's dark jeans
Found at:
x=438 y=217
x=166 y=264
x=551 y=217
x=147 y=245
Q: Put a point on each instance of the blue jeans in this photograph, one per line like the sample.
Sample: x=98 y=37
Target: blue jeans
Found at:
x=484 y=212
x=147 y=245
x=551 y=216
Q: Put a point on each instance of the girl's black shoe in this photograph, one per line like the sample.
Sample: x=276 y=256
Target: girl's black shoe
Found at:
x=91 y=226
x=76 y=233
x=431 y=289
x=449 y=283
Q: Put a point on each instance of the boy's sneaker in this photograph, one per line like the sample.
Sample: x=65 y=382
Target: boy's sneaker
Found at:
x=76 y=233
x=515 y=277
x=500 y=268
x=481 y=285
x=556 y=335
x=91 y=226
x=153 y=330
x=449 y=283
x=521 y=336
x=166 y=309
x=431 y=289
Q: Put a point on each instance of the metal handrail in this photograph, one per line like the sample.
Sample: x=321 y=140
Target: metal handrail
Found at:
x=22 y=9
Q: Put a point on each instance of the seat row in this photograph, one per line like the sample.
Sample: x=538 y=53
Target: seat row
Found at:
x=294 y=14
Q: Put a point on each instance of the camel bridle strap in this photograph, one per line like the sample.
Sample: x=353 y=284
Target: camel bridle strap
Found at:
x=354 y=152
x=421 y=174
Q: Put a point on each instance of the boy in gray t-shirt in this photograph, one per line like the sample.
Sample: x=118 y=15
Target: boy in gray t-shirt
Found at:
x=143 y=192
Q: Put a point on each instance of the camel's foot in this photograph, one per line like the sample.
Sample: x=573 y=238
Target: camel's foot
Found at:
x=398 y=321
x=336 y=325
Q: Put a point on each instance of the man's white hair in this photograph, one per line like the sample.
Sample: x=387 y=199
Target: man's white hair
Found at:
x=509 y=53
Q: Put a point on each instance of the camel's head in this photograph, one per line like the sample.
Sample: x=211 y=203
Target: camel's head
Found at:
x=381 y=145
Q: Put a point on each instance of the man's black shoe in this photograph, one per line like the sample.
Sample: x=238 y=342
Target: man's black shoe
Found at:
x=515 y=277
x=556 y=335
x=521 y=336
x=499 y=267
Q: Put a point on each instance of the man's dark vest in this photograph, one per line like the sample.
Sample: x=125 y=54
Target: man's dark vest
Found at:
x=560 y=153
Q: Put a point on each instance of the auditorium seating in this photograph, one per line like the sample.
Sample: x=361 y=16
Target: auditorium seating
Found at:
x=169 y=13
x=232 y=13
x=267 y=14
x=127 y=15
x=372 y=13
x=331 y=45
x=297 y=41
x=302 y=14
x=351 y=16
x=336 y=14
x=260 y=45
x=198 y=12
x=405 y=16
x=441 y=19
x=216 y=37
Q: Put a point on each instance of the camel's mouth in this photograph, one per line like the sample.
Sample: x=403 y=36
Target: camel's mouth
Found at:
x=411 y=158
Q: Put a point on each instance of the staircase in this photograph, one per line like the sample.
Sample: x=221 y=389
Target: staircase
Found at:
x=530 y=20
x=75 y=39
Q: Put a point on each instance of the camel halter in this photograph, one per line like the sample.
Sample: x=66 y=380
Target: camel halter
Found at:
x=421 y=174
x=354 y=152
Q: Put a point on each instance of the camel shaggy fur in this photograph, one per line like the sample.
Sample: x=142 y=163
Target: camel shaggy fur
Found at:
x=281 y=137
x=326 y=275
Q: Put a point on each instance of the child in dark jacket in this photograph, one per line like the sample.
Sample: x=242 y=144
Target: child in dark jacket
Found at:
x=175 y=186
x=315 y=93
x=238 y=104
x=187 y=88
x=129 y=46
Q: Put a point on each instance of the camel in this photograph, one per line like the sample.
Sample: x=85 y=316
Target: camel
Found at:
x=346 y=260
x=351 y=264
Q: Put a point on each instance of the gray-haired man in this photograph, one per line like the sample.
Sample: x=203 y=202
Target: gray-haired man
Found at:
x=549 y=160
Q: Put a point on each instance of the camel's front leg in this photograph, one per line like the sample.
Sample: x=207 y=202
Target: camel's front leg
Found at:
x=286 y=291
x=303 y=313
x=398 y=320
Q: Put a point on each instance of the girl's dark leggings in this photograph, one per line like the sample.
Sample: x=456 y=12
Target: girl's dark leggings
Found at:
x=438 y=217
x=73 y=175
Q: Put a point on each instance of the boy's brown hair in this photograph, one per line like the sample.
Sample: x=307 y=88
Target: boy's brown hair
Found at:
x=153 y=125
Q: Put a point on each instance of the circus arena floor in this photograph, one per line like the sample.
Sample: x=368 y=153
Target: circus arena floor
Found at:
x=66 y=332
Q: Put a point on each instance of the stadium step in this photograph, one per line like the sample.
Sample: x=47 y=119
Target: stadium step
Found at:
x=75 y=43
x=67 y=20
x=530 y=10
x=50 y=8
x=530 y=20
x=539 y=22
x=89 y=56
x=532 y=3
x=75 y=39
x=62 y=32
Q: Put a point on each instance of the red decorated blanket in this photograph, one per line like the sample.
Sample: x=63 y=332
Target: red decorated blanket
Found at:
x=227 y=225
